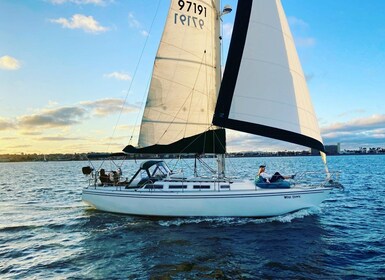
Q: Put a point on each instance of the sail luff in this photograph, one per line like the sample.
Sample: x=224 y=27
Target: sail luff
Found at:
x=264 y=90
x=234 y=58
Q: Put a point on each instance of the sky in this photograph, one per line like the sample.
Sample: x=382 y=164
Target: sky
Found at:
x=67 y=66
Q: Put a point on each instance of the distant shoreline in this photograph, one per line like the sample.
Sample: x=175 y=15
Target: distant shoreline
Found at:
x=101 y=156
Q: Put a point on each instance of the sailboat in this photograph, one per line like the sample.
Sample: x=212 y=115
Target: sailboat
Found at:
x=263 y=91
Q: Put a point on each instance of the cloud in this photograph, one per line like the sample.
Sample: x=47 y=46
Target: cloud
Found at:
x=133 y=21
x=297 y=23
x=31 y=133
x=58 y=138
x=63 y=117
x=52 y=118
x=126 y=127
x=351 y=112
x=135 y=24
x=109 y=106
x=9 y=63
x=78 y=21
x=305 y=42
x=358 y=132
x=19 y=146
x=300 y=29
x=362 y=124
x=9 y=138
x=6 y=124
x=80 y=2
x=119 y=76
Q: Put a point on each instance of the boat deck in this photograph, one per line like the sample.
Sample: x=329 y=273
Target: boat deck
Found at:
x=194 y=185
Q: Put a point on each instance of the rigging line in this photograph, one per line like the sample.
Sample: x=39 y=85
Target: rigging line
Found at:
x=208 y=167
x=133 y=77
x=137 y=116
x=208 y=100
x=193 y=90
x=101 y=164
x=186 y=165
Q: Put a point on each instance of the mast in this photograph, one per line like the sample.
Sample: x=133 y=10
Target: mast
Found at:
x=217 y=44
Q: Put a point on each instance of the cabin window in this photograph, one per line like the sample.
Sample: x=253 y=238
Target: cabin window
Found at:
x=151 y=186
x=177 y=187
x=225 y=186
x=198 y=187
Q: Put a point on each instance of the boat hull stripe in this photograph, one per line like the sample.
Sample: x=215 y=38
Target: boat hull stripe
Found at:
x=192 y=196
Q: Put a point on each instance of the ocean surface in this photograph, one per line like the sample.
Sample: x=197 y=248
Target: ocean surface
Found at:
x=47 y=232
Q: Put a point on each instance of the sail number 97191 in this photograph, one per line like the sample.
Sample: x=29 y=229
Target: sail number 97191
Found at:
x=188 y=20
x=190 y=6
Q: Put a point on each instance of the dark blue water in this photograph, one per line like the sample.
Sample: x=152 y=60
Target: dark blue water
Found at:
x=47 y=232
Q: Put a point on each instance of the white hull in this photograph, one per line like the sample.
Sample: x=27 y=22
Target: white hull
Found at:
x=230 y=203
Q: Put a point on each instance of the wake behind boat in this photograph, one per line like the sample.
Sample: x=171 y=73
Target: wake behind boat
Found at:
x=263 y=92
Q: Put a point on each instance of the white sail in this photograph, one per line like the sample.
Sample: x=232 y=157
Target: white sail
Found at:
x=184 y=87
x=270 y=90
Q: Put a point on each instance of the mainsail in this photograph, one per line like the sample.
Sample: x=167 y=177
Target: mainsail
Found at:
x=185 y=82
x=264 y=90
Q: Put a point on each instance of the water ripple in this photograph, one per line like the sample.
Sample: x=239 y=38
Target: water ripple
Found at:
x=47 y=232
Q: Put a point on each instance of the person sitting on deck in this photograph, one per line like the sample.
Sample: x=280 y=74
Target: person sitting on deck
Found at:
x=104 y=178
x=265 y=178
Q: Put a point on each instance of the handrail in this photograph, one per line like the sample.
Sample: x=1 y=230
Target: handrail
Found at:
x=316 y=178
